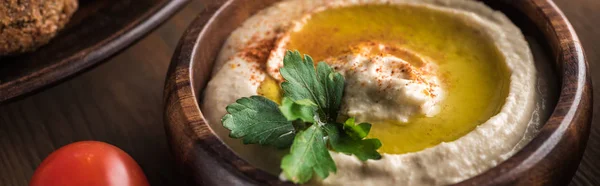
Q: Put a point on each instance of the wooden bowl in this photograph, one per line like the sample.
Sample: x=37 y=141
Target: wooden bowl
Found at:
x=98 y=30
x=551 y=158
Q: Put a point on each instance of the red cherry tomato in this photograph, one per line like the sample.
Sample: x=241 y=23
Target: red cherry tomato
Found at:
x=89 y=163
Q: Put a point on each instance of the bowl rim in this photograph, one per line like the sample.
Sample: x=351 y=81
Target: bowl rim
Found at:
x=545 y=158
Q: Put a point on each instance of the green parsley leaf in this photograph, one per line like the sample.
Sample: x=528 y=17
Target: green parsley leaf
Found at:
x=359 y=131
x=323 y=86
x=333 y=83
x=340 y=141
x=258 y=120
x=308 y=154
x=301 y=109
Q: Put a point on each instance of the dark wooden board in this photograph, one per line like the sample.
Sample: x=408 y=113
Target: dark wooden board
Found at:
x=120 y=102
x=96 y=31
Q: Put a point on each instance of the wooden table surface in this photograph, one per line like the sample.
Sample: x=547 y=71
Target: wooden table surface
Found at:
x=120 y=102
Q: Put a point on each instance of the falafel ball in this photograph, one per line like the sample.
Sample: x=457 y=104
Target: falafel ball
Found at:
x=28 y=24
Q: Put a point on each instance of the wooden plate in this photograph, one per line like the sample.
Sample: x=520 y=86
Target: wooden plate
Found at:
x=96 y=31
x=551 y=158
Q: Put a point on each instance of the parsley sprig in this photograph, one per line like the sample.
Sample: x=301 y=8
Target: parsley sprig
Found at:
x=306 y=121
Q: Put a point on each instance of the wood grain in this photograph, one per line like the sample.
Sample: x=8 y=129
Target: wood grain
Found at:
x=584 y=17
x=120 y=102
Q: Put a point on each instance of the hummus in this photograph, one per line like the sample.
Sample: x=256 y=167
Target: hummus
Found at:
x=396 y=86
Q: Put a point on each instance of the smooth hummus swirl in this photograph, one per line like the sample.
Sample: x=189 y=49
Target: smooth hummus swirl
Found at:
x=383 y=83
x=241 y=67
